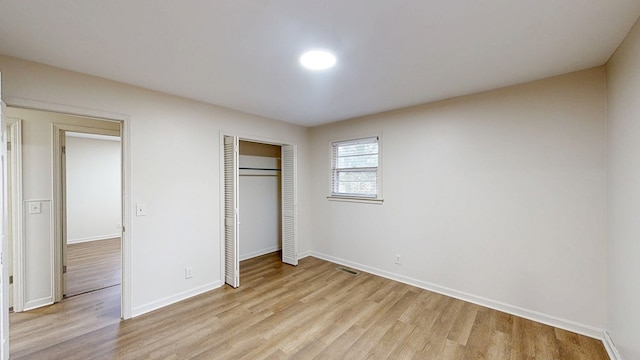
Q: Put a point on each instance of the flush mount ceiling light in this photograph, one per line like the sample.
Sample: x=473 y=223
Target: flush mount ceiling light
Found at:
x=317 y=60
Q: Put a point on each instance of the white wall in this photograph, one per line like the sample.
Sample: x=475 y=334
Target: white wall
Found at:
x=175 y=171
x=498 y=198
x=93 y=189
x=259 y=206
x=623 y=72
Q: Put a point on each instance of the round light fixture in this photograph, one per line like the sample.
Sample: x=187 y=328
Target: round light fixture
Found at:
x=317 y=60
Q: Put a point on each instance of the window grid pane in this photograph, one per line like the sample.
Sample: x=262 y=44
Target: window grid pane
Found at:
x=355 y=168
x=349 y=150
x=357 y=161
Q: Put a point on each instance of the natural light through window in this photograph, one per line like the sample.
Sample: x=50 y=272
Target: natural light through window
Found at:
x=355 y=168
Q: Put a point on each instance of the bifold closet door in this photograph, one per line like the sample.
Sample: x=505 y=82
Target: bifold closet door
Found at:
x=231 y=221
x=289 y=204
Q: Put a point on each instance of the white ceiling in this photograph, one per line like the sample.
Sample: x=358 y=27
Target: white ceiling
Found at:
x=243 y=54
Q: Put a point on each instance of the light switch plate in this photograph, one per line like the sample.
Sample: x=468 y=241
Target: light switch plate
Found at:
x=141 y=209
x=35 y=207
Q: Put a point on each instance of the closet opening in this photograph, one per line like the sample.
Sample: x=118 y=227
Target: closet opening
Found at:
x=260 y=188
x=259 y=203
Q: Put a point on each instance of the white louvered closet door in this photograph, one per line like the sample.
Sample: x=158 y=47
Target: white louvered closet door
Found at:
x=231 y=228
x=289 y=206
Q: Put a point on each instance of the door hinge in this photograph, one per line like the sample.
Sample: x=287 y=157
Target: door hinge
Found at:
x=64 y=269
x=64 y=149
x=123 y=229
x=10 y=279
x=8 y=146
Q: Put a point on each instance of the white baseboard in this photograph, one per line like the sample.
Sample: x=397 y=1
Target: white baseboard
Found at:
x=34 y=304
x=258 y=253
x=304 y=255
x=610 y=346
x=564 y=324
x=154 y=305
x=93 y=238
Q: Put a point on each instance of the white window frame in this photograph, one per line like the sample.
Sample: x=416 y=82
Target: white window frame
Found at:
x=377 y=199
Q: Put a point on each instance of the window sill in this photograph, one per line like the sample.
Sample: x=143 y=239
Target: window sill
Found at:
x=355 y=199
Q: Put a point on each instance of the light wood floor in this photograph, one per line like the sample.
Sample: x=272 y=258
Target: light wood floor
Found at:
x=311 y=311
x=93 y=265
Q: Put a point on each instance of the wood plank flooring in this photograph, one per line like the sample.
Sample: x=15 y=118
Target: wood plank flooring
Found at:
x=93 y=265
x=311 y=311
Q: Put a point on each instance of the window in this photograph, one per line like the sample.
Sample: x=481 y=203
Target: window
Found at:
x=355 y=169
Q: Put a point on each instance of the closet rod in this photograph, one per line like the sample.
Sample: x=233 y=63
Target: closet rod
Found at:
x=250 y=168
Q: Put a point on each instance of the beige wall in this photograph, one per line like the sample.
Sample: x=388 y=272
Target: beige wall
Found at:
x=175 y=171
x=498 y=198
x=624 y=196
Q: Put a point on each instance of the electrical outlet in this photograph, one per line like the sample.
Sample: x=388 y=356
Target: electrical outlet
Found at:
x=398 y=259
x=188 y=273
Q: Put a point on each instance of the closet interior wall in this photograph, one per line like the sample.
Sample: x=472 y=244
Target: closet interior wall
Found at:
x=260 y=199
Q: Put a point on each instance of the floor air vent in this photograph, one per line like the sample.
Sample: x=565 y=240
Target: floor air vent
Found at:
x=348 y=271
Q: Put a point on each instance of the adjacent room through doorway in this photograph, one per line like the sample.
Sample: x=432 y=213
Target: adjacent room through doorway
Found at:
x=93 y=212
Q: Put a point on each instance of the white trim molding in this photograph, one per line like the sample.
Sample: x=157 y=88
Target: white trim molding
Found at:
x=64 y=109
x=157 y=304
x=36 y=303
x=550 y=320
x=17 y=218
x=125 y=141
x=610 y=346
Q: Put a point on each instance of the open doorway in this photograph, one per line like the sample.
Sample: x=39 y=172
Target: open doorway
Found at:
x=88 y=206
x=250 y=176
x=92 y=212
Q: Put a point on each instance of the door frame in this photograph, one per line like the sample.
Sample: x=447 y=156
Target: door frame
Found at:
x=4 y=286
x=59 y=198
x=256 y=139
x=16 y=209
x=125 y=138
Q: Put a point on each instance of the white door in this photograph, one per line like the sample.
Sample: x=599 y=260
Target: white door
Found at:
x=63 y=214
x=289 y=206
x=9 y=236
x=4 y=279
x=231 y=218
x=14 y=209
